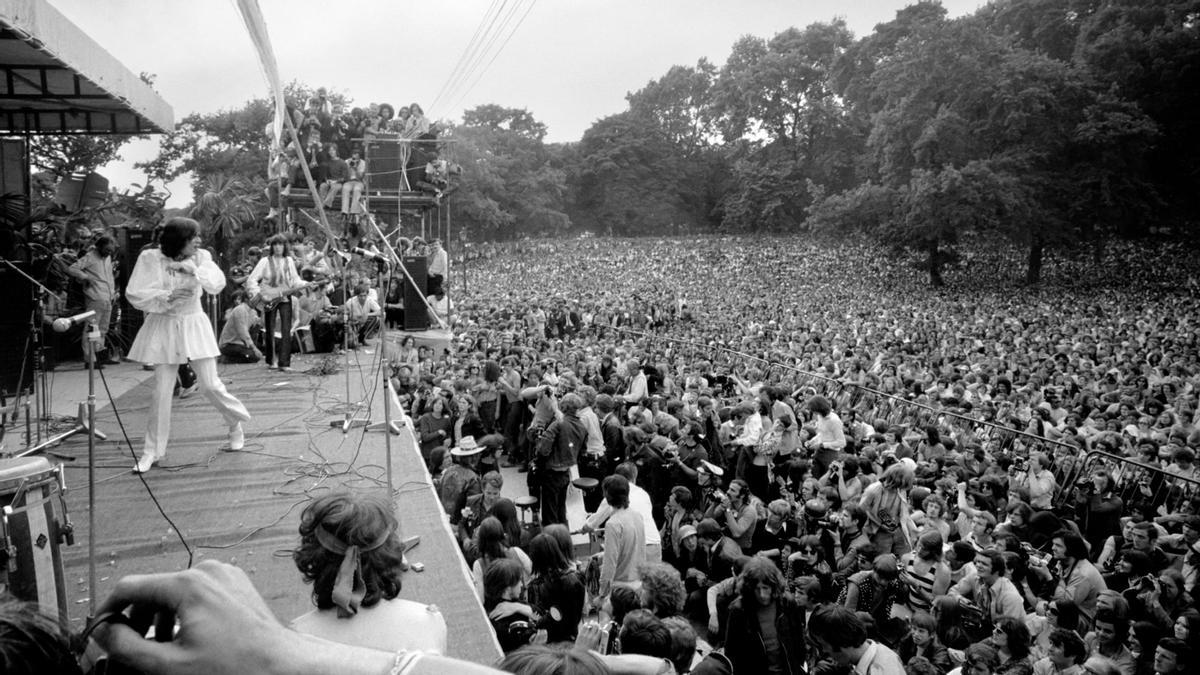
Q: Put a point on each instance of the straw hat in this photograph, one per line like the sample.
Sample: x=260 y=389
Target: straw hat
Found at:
x=466 y=447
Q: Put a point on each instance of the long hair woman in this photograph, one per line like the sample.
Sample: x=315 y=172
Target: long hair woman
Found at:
x=350 y=551
x=556 y=592
x=949 y=616
x=492 y=544
x=514 y=621
x=166 y=284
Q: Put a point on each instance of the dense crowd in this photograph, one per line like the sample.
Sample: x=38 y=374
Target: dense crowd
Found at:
x=994 y=478
x=331 y=143
x=793 y=457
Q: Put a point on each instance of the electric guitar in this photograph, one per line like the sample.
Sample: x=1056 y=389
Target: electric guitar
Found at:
x=269 y=298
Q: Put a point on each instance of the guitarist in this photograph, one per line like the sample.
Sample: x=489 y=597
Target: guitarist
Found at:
x=271 y=283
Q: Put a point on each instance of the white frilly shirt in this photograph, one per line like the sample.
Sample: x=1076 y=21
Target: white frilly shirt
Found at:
x=173 y=332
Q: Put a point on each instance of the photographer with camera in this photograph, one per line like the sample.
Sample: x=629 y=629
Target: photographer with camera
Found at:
x=1040 y=481
x=736 y=514
x=1160 y=599
x=1076 y=578
x=844 y=477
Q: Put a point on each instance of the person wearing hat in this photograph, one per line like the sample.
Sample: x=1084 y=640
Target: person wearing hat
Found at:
x=708 y=484
x=460 y=481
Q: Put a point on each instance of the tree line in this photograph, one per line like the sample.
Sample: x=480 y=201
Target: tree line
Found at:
x=1053 y=123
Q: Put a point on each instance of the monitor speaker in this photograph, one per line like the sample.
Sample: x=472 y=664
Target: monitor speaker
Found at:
x=416 y=317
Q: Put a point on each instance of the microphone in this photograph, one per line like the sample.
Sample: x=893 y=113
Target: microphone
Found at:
x=367 y=253
x=64 y=324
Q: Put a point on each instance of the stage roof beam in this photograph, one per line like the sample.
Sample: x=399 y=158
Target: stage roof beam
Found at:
x=55 y=79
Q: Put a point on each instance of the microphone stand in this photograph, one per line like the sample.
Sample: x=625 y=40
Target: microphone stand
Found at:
x=84 y=419
x=349 y=420
x=91 y=341
x=387 y=425
x=389 y=399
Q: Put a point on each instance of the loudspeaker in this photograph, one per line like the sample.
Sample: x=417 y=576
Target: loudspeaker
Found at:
x=78 y=191
x=16 y=349
x=384 y=166
x=416 y=316
x=130 y=243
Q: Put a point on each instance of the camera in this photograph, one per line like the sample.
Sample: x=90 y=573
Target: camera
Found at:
x=1147 y=583
x=827 y=524
x=521 y=632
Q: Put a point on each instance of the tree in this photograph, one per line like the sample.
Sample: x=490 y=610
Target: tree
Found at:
x=66 y=156
x=630 y=178
x=680 y=105
x=518 y=121
x=652 y=168
x=226 y=204
x=1145 y=53
x=783 y=124
x=231 y=142
x=510 y=184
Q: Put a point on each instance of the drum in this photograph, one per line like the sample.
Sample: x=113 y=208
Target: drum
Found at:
x=31 y=566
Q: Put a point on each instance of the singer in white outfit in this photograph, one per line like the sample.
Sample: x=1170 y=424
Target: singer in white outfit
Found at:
x=166 y=284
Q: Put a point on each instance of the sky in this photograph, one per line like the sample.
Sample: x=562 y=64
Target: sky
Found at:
x=569 y=62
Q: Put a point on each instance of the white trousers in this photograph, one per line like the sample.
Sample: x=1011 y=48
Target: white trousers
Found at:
x=158 y=427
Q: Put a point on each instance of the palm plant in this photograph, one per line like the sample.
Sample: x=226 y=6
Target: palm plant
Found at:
x=225 y=205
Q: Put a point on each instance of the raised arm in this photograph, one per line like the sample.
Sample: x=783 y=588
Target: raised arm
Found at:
x=147 y=289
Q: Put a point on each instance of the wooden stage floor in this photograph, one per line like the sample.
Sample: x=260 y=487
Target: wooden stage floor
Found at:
x=244 y=508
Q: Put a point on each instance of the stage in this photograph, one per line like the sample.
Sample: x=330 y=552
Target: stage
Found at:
x=244 y=507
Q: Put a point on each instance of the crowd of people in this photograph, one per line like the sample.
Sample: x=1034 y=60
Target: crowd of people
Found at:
x=994 y=478
x=289 y=291
x=794 y=458
x=331 y=144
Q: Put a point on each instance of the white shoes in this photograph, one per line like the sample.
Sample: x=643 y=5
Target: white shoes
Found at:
x=237 y=437
x=148 y=460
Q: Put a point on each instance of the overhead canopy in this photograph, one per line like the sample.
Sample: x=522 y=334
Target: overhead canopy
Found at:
x=54 y=79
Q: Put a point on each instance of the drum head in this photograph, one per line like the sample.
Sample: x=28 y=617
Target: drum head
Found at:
x=14 y=471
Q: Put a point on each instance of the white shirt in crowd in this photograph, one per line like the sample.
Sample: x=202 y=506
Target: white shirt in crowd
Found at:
x=639 y=503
